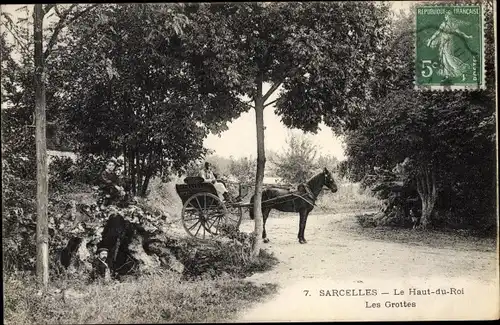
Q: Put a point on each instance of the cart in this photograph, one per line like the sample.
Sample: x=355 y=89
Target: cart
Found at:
x=204 y=214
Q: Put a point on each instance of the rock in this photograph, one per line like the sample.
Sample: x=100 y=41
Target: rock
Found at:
x=75 y=257
x=82 y=252
x=167 y=258
x=146 y=262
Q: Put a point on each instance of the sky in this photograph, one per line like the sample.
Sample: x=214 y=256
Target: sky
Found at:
x=240 y=138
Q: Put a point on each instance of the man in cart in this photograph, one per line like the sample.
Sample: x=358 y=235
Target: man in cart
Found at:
x=207 y=174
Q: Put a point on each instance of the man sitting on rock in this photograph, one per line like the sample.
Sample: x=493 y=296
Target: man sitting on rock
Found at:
x=111 y=179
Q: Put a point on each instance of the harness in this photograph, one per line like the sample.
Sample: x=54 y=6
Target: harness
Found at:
x=308 y=193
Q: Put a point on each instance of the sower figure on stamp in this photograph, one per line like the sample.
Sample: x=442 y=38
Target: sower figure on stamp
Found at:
x=208 y=176
x=445 y=40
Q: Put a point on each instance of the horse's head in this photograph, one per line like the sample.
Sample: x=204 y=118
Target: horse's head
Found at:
x=329 y=181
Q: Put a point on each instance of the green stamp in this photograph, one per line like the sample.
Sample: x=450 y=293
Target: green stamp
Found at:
x=449 y=47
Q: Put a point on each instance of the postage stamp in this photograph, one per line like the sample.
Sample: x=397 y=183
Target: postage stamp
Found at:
x=449 y=47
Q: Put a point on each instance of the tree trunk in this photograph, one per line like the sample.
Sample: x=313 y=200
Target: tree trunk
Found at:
x=125 y=162
x=148 y=173
x=131 y=158
x=426 y=187
x=261 y=162
x=145 y=184
x=139 y=169
x=42 y=227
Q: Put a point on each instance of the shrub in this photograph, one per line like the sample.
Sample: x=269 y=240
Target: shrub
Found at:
x=230 y=254
x=88 y=169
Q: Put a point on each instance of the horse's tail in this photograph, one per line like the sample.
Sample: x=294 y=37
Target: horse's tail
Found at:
x=250 y=208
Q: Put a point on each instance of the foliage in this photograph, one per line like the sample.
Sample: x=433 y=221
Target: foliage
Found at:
x=231 y=255
x=349 y=197
x=441 y=135
x=329 y=161
x=88 y=169
x=289 y=45
x=243 y=169
x=18 y=166
x=298 y=162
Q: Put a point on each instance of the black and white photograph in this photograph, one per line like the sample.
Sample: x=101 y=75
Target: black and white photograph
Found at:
x=243 y=162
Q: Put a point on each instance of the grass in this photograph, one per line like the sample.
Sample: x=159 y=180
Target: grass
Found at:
x=453 y=239
x=349 y=198
x=156 y=298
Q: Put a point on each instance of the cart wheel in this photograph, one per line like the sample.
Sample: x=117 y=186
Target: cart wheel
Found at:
x=235 y=215
x=202 y=215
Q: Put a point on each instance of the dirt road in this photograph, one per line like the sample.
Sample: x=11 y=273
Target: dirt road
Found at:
x=340 y=255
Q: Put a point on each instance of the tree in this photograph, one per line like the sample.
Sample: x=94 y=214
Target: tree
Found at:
x=298 y=162
x=137 y=79
x=329 y=161
x=66 y=17
x=243 y=169
x=439 y=134
x=303 y=48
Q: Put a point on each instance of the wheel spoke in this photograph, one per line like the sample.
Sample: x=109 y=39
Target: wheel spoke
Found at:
x=194 y=225
x=210 y=215
x=201 y=224
x=199 y=204
x=197 y=209
x=191 y=219
x=215 y=220
x=191 y=216
x=218 y=222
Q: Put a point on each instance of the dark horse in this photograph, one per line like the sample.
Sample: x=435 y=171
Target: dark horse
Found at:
x=310 y=192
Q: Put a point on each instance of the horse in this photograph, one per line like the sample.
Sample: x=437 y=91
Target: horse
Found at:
x=310 y=192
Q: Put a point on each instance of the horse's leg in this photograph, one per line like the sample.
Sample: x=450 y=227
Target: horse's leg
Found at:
x=302 y=225
x=265 y=214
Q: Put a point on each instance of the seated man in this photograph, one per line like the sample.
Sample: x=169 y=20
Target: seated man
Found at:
x=207 y=174
x=112 y=183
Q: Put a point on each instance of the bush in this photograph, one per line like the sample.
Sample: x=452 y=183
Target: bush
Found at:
x=230 y=254
x=61 y=172
x=18 y=221
x=88 y=169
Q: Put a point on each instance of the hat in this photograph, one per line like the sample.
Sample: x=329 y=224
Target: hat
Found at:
x=102 y=249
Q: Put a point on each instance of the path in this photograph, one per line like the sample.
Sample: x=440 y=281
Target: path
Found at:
x=338 y=257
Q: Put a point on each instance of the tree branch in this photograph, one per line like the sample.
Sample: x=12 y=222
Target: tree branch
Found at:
x=47 y=8
x=23 y=46
x=271 y=91
x=269 y=104
x=63 y=22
